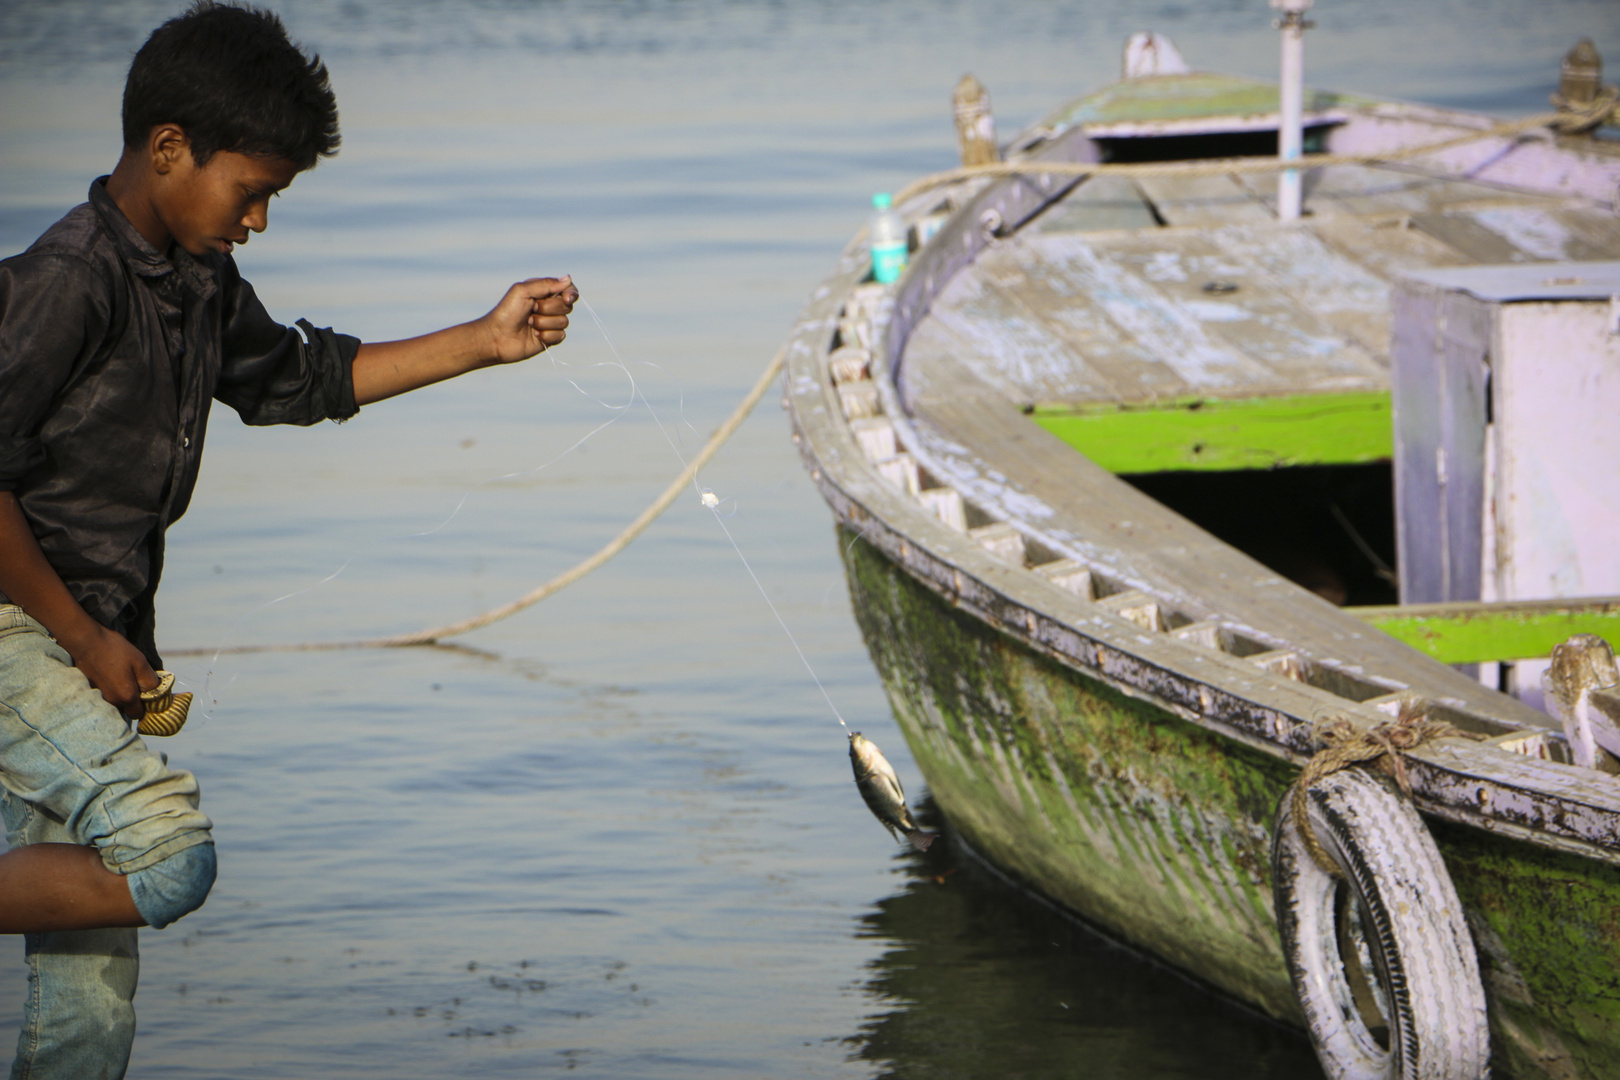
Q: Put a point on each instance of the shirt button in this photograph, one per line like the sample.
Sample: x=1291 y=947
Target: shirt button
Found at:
x=185 y=442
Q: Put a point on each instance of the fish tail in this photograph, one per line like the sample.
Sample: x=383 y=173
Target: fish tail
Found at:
x=920 y=840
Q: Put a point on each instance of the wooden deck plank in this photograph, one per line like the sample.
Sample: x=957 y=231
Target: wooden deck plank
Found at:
x=1203 y=200
x=1470 y=238
x=1533 y=231
x=1368 y=191
x=1595 y=233
x=1102 y=202
x=1054 y=313
x=1475 y=632
x=1122 y=320
x=1221 y=434
x=1554 y=233
x=1384 y=248
x=1318 y=279
x=1280 y=280
x=1023 y=363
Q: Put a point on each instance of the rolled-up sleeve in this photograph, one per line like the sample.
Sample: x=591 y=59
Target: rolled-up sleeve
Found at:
x=54 y=314
x=275 y=374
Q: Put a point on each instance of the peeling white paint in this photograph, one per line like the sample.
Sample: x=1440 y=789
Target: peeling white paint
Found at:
x=1216 y=311
x=1534 y=232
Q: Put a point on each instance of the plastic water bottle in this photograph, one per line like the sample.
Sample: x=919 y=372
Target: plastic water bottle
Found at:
x=887 y=238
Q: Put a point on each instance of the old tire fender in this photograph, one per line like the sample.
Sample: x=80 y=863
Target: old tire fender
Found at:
x=1381 y=957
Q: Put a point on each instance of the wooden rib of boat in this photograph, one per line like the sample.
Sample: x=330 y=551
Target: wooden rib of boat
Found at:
x=1106 y=700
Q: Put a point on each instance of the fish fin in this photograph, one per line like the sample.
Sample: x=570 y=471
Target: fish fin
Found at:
x=920 y=840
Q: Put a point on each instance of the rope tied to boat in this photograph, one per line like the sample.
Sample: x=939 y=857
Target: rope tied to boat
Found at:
x=432 y=635
x=1343 y=744
x=1578 y=117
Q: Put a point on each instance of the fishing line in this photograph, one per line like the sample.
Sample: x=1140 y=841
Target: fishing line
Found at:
x=707 y=497
x=557 y=365
x=712 y=503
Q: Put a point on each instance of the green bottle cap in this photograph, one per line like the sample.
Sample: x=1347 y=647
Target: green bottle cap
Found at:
x=881 y=200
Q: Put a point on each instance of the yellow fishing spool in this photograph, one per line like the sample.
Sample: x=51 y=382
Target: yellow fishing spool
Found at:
x=165 y=709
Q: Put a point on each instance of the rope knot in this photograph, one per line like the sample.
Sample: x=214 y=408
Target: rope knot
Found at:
x=1577 y=117
x=1341 y=743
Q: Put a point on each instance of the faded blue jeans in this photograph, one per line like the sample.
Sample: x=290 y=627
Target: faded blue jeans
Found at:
x=74 y=771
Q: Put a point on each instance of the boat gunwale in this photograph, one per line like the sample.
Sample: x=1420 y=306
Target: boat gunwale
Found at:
x=1548 y=805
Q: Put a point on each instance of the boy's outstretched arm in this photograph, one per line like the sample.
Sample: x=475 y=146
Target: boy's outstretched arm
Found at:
x=531 y=317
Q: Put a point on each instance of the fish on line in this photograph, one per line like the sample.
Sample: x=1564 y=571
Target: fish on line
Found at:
x=880 y=786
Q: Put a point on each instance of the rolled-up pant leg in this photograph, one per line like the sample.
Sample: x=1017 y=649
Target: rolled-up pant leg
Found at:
x=74 y=771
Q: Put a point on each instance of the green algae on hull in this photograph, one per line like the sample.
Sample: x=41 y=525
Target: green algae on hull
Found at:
x=1160 y=830
x=1546 y=925
x=1094 y=797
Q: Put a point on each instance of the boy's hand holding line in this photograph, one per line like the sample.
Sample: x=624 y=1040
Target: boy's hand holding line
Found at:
x=531 y=317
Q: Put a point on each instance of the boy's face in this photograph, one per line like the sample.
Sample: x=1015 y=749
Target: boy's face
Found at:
x=214 y=207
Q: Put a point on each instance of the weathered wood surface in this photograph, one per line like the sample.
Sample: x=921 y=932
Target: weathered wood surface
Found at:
x=1441 y=347
x=1510 y=234
x=1369 y=191
x=1103 y=202
x=1203 y=200
x=1094 y=303
x=1556 y=499
x=1291 y=306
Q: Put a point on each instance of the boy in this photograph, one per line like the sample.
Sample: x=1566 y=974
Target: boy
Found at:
x=116 y=328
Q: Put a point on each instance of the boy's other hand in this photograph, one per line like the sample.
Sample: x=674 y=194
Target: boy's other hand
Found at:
x=531 y=317
x=115 y=667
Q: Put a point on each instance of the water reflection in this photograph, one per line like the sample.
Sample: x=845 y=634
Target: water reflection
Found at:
x=981 y=980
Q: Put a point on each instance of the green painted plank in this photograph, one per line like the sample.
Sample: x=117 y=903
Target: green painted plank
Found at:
x=1477 y=633
x=1211 y=434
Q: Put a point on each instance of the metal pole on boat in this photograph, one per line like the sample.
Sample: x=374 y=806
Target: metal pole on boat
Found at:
x=1291 y=126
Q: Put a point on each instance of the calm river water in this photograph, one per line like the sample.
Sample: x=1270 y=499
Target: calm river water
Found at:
x=616 y=834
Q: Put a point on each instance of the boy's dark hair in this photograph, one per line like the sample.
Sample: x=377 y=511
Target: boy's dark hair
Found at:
x=230 y=78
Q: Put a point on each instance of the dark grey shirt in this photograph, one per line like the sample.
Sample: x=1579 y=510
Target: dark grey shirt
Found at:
x=109 y=355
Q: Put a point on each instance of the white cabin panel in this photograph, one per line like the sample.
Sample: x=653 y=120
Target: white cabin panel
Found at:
x=1556 y=406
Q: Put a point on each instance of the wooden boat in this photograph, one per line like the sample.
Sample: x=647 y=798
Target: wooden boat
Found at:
x=1108 y=701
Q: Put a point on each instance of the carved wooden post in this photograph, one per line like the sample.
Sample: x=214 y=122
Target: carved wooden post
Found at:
x=1581 y=77
x=975 y=126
